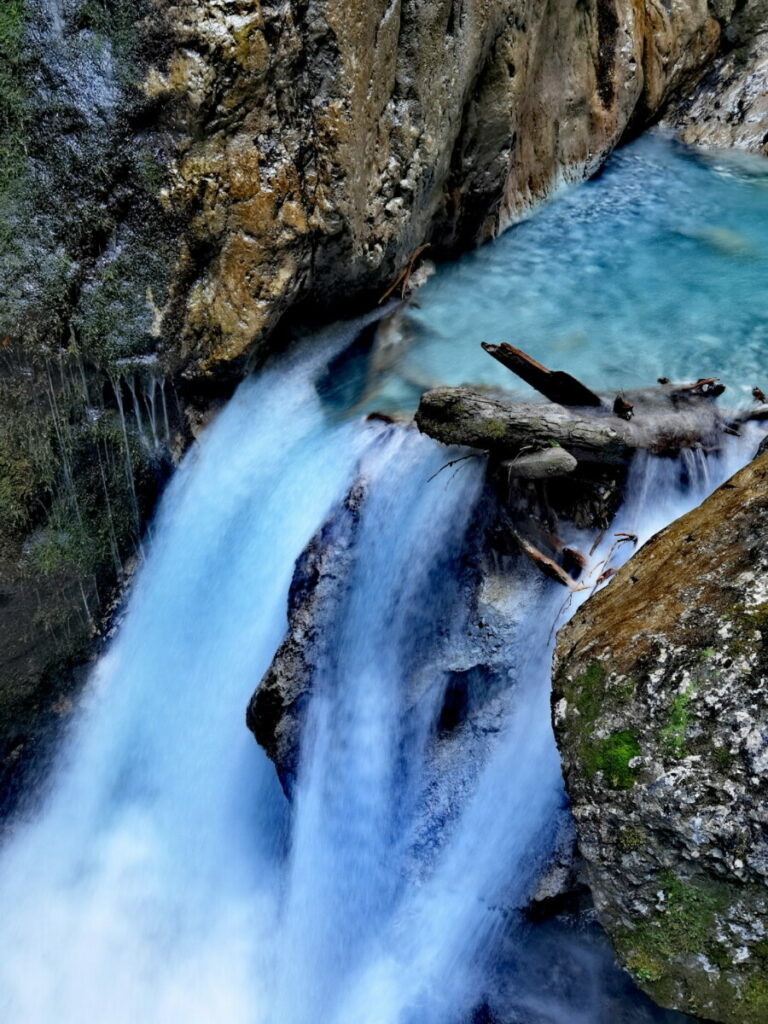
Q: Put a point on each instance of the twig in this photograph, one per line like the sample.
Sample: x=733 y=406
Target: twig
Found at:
x=453 y=462
x=404 y=276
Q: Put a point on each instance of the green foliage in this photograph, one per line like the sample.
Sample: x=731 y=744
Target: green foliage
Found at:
x=496 y=430
x=114 y=20
x=114 y=319
x=13 y=91
x=673 y=733
x=611 y=756
x=69 y=474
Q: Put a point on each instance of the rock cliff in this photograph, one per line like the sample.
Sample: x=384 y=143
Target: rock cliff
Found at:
x=661 y=716
x=177 y=180
x=729 y=107
x=320 y=143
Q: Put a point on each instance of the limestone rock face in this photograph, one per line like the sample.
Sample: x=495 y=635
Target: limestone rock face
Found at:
x=729 y=107
x=319 y=144
x=661 y=713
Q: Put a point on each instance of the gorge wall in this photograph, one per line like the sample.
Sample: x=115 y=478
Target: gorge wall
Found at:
x=180 y=181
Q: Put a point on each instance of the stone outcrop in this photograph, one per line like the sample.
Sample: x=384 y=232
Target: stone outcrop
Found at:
x=277 y=709
x=319 y=144
x=178 y=178
x=661 y=716
x=729 y=107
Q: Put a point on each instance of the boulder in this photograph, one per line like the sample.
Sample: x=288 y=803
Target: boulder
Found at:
x=549 y=462
x=661 y=715
x=276 y=712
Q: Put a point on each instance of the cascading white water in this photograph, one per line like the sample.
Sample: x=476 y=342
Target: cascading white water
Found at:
x=144 y=890
x=165 y=879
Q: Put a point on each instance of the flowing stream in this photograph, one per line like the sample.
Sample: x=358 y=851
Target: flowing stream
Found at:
x=165 y=878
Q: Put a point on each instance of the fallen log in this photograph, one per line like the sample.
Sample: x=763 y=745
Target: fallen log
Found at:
x=463 y=416
x=556 y=385
x=564 y=389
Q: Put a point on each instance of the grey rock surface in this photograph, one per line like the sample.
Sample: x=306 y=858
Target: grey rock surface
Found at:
x=661 y=716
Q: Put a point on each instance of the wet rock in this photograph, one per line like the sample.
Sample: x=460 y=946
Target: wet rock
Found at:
x=276 y=712
x=553 y=461
x=729 y=107
x=660 y=714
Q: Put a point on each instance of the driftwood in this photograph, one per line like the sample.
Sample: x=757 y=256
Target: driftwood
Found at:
x=564 y=389
x=471 y=418
x=571 y=452
x=592 y=428
x=403 y=279
x=548 y=566
x=556 y=385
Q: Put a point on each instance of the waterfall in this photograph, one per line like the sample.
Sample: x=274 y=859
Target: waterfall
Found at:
x=144 y=888
x=165 y=879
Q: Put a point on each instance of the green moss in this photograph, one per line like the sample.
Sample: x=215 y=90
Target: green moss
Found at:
x=686 y=924
x=751 y=629
x=611 y=756
x=658 y=951
x=69 y=474
x=646 y=967
x=707 y=653
x=496 y=430
x=625 y=690
x=113 y=21
x=755 y=998
x=722 y=758
x=678 y=719
x=586 y=692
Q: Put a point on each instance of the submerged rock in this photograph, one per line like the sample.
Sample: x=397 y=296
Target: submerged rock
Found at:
x=661 y=717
